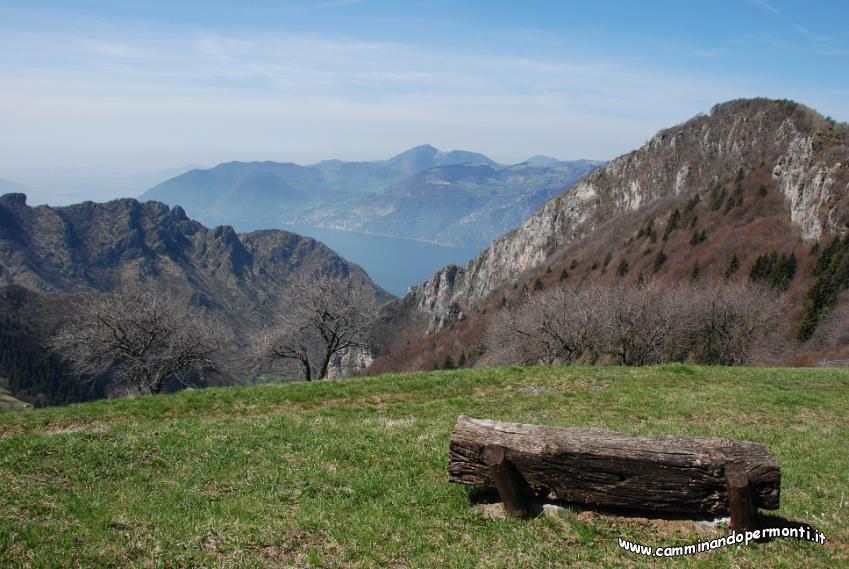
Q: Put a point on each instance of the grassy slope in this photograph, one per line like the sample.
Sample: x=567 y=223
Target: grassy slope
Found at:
x=354 y=473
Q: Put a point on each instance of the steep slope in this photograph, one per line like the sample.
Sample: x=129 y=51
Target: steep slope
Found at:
x=28 y=371
x=704 y=199
x=98 y=247
x=806 y=155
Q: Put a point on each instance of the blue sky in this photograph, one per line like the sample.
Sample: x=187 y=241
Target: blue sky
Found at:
x=100 y=99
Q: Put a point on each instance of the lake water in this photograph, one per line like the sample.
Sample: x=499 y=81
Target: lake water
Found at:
x=395 y=264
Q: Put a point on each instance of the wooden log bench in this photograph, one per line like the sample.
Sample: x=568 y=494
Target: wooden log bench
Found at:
x=678 y=475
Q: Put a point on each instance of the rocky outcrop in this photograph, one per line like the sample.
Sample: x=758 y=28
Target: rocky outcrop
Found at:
x=809 y=156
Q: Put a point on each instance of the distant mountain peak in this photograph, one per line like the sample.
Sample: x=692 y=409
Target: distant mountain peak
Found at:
x=541 y=160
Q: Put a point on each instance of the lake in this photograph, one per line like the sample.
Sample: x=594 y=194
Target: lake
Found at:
x=393 y=263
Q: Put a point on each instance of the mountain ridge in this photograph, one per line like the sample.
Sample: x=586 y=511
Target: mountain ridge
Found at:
x=100 y=246
x=806 y=155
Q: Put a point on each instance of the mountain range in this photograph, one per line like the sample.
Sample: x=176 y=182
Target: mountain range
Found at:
x=453 y=198
x=48 y=253
x=757 y=189
x=100 y=246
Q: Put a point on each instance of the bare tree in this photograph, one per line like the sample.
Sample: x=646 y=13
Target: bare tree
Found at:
x=642 y=322
x=140 y=335
x=728 y=323
x=735 y=323
x=555 y=326
x=324 y=316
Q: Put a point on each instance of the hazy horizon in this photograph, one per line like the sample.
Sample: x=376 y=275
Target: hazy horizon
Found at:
x=101 y=101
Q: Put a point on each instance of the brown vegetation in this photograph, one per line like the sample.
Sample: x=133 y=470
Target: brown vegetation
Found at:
x=756 y=224
x=730 y=323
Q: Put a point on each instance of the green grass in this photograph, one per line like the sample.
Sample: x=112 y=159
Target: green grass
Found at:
x=353 y=473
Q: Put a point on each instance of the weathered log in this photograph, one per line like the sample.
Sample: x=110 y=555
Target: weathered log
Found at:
x=505 y=478
x=740 y=500
x=671 y=474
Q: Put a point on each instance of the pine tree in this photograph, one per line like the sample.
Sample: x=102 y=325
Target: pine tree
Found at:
x=733 y=265
x=448 y=364
x=659 y=261
x=694 y=274
x=606 y=262
x=462 y=361
x=672 y=224
x=622 y=269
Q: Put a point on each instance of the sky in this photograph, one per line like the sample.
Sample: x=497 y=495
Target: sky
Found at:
x=103 y=98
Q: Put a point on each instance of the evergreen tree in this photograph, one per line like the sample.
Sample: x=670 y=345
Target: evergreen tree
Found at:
x=694 y=274
x=606 y=262
x=733 y=265
x=832 y=275
x=659 y=261
x=672 y=224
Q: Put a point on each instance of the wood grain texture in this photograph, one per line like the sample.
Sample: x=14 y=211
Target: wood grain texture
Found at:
x=740 y=500
x=506 y=482
x=672 y=474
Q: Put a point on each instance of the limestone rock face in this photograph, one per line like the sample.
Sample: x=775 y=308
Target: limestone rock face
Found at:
x=808 y=154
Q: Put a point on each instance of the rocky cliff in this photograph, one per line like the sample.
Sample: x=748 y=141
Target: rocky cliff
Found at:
x=807 y=155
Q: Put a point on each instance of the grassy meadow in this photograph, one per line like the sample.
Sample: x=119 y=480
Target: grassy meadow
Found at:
x=353 y=473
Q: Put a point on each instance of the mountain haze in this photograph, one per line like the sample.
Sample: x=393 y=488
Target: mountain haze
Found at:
x=454 y=198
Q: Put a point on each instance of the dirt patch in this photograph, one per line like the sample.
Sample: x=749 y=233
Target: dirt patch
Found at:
x=534 y=389
x=298 y=549
x=87 y=428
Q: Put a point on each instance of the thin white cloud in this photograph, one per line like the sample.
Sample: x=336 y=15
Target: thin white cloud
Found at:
x=764 y=5
x=113 y=103
x=310 y=6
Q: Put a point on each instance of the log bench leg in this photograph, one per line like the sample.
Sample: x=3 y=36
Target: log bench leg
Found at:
x=503 y=474
x=740 y=500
